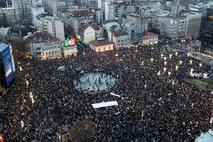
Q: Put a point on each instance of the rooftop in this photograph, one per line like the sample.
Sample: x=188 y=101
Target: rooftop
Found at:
x=41 y=37
x=100 y=42
x=120 y=33
x=149 y=34
x=80 y=13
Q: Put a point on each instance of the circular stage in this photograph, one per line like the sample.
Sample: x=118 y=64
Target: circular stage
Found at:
x=96 y=81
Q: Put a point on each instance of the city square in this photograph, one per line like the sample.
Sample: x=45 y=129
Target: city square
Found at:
x=152 y=106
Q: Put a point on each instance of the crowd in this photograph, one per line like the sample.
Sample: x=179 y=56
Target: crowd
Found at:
x=157 y=104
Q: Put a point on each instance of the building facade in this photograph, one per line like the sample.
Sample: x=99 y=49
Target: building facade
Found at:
x=121 y=39
x=43 y=46
x=22 y=10
x=51 y=25
x=101 y=45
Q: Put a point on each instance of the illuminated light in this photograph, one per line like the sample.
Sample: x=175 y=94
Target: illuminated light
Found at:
x=170 y=56
x=151 y=59
x=187 y=54
x=176 y=53
x=190 y=62
x=164 y=69
x=205 y=75
x=31 y=97
x=164 y=58
x=22 y=124
x=181 y=62
x=200 y=64
x=176 y=67
x=20 y=68
x=161 y=55
x=116 y=55
x=169 y=73
x=191 y=71
x=158 y=73
x=27 y=82
x=142 y=63
x=165 y=63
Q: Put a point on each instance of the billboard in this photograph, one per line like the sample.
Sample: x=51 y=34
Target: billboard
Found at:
x=69 y=42
x=8 y=66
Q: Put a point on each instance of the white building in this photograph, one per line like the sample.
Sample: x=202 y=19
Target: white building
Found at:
x=87 y=34
x=169 y=26
x=43 y=46
x=69 y=51
x=36 y=9
x=101 y=45
x=121 y=39
x=51 y=25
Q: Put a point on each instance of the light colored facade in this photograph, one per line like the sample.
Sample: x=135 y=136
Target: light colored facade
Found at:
x=89 y=35
x=70 y=51
x=101 y=45
x=43 y=47
x=121 y=39
x=170 y=27
x=35 y=11
x=50 y=24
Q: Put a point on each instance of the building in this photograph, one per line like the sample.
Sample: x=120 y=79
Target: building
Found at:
x=87 y=34
x=19 y=31
x=22 y=10
x=101 y=45
x=135 y=26
x=37 y=8
x=193 y=24
x=43 y=46
x=7 y=65
x=108 y=26
x=69 y=51
x=77 y=17
x=172 y=27
x=150 y=38
x=115 y=9
x=121 y=39
x=7 y=16
x=51 y=25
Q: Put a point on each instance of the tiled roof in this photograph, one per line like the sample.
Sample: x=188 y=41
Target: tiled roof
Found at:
x=100 y=42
